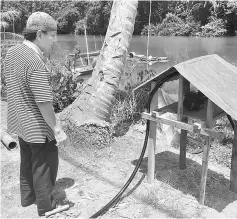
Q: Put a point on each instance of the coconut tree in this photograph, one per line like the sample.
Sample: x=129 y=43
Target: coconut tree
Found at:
x=98 y=96
x=10 y=16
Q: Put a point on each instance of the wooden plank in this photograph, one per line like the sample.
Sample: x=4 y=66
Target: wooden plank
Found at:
x=152 y=139
x=184 y=86
x=83 y=55
x=183 y=146
x=199 y=114
x=94 y=53
x=182 y=125
x=181 y=98
x=233 y=171
x=206 y=149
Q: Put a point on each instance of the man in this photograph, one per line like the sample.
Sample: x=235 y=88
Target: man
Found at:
x=30 y=112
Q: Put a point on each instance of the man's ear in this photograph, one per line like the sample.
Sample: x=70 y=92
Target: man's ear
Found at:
x=39 y=35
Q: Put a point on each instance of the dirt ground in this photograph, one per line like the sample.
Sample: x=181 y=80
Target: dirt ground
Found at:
x=90 y=180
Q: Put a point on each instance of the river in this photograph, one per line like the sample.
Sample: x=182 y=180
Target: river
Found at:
x=176 y=49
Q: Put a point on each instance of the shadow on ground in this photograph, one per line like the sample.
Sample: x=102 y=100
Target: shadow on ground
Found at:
x=122 y=128
x=218 y=195
x=59 y=190
x=73 y=158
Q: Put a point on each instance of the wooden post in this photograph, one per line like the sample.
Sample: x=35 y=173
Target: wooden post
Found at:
x=88 y=62
x=233 y=171
x=152 y=139
x=183 y=88
x=206 y=149
x=95 y=43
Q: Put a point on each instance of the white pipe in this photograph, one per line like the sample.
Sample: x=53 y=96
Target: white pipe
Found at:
x=7 y=140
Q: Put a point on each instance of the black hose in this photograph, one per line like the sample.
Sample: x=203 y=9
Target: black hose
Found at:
x=117 y=197
x=231 y=121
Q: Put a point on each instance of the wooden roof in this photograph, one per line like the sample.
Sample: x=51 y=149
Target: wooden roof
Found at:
x=212 y=75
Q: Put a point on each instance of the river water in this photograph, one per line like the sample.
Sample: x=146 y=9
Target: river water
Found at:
x=176 y=49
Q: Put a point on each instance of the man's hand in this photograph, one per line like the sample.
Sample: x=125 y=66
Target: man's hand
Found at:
x=60 y=136
x=46 y=108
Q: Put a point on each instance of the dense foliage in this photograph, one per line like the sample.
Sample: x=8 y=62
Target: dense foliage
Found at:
x=182 y=18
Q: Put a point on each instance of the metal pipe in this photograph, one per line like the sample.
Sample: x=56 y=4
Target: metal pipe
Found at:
x=7 y=140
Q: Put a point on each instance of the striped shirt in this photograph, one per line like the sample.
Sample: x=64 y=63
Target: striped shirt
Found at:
x=27 y=80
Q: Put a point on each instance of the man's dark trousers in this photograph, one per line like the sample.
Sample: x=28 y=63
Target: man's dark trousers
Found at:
x=38 y=172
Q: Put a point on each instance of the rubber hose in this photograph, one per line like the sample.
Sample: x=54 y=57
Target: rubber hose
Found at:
x=117 y=197
x=231 y=121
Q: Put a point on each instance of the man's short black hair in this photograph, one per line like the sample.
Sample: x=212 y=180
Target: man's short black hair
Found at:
x=31 y=36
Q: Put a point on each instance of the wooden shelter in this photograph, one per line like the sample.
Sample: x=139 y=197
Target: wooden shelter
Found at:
x=217 y=80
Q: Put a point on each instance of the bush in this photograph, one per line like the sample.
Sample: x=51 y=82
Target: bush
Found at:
x=173 y=25
x=128 y=105
x=215 y=27
x=172 y=18
x=64 y=88
x=80 y=29
x=153 y=30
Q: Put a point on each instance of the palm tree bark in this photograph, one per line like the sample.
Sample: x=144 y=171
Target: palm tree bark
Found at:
x=98 y=95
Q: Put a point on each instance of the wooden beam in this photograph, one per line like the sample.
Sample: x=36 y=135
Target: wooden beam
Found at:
x=182 y=125
x=206 y=149
x=197 y=114
x=83 y=55
x=152 y=139
x=184 y=86
x=95 y=53
x=233 y=170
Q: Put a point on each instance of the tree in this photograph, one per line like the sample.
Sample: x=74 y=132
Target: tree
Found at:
x=201 y=13
x=98 y=96
x=70 y=16
x=8 y=18
x=95 y=17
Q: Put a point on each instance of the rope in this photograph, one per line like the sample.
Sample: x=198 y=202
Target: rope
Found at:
x=148 y=39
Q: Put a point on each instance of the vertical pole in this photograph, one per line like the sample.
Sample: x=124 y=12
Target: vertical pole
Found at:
x=183 y=88
x=87 y=46
x=95 y=43
x=152 y=139
x=206 y=149
x=13 y=28
x=233 y=170
x=74 y=62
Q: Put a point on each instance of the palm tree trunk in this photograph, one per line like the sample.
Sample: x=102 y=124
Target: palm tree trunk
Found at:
x=98 y=96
